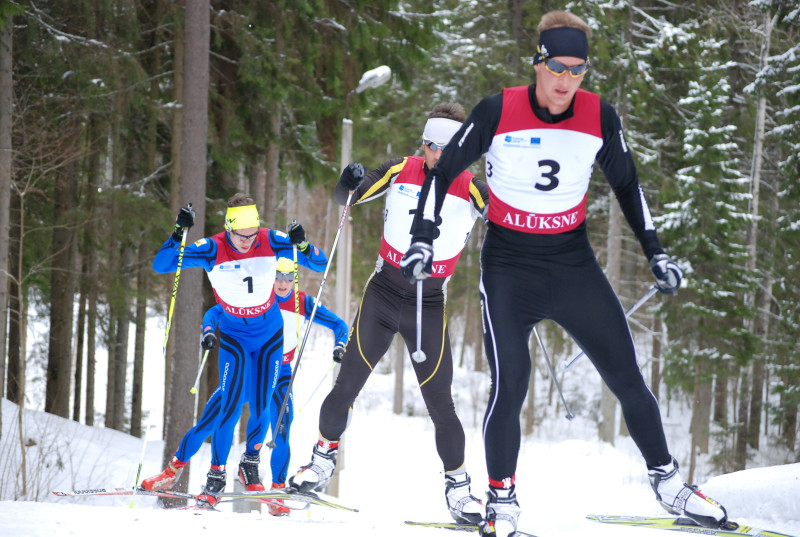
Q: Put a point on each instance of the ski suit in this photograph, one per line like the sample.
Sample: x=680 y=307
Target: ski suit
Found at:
x=536 y=260
x=281 y=454
x=250 y=332
x=388 y=303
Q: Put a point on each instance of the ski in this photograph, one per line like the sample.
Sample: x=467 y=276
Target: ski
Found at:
x=122 y=491
x=457 y=527
x=686 y=525
x=287 y=495
x=266 y=496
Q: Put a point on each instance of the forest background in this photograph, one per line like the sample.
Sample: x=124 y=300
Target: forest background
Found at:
x=114 y=113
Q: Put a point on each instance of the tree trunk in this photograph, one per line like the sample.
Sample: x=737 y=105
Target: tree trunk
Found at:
x=740 y=451
x=655 y=365
x=608 y=403
x=189 y=299
x=721 y=378
x=59 y=354
x=79 y=343
x=6 y=113
x=16 y=365
x=90 y=275
x=530 y=408
x=137 y=397
x=175 y=175
x=399 y=358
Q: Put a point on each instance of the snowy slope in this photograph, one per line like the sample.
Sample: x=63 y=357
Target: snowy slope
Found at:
x=390 y=472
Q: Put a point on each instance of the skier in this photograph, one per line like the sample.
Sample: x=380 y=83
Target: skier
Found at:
x=541 y=142
x=388 y=306
x=279 y=460
x=284 y=292
x=240 y=263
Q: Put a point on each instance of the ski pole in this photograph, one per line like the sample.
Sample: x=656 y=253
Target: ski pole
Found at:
x=419 y=356
x=271 y=443
x=166 y=339
x=193 y=389
x=570 y=415
x=310 y=397
x=296 y=292
x=650 y=292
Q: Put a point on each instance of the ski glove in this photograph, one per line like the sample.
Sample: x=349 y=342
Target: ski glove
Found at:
x=338 y=353
x=417 y=263
x=185 y=220
x=209 y=341
x=297 y=236
x=667 y=273
x=352 y=176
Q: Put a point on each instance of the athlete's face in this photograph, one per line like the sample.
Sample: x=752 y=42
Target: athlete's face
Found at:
x=243 y=239
x=431 y=156
x=283 y=283
x=555 y=92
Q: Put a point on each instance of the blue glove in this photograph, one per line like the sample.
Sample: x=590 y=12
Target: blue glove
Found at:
x=352 y=176
x=185 y=220
x=667 y=273
x=417 y=263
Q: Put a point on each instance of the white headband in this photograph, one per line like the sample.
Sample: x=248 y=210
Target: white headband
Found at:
x=439 y=130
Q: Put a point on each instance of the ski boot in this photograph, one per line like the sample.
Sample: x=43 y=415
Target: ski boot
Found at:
x=681 y=499
x=248 y=473
x=464 y=507
x=502 y=513
x=166 y=479
x=316 y=474
x=276 y=507
x=215 y=484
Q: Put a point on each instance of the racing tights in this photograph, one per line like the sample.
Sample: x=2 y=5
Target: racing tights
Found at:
x=388 y=306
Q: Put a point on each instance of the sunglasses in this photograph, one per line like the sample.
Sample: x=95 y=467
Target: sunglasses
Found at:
x=433 y=146
x=558 y=68
x=284 y=276
x=245 y=237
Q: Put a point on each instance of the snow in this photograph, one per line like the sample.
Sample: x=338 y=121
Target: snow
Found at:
x=390 y=472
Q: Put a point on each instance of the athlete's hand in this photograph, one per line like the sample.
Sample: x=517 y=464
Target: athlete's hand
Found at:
x=297 y=236
x=417 y=262
x=667 y=273
x=185 y=220
x=352 y=176
x=338 y=354
x=209 y=341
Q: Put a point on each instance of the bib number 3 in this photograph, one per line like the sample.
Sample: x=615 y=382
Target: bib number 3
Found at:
x=549 y=173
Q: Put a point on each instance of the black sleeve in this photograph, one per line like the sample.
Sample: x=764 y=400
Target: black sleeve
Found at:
x=374 y=184
x=468 y=144
x=616 y=161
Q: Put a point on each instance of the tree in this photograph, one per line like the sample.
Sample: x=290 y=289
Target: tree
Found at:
x=188 y=307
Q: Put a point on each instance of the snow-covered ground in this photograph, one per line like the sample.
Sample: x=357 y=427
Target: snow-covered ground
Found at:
x=390 y=473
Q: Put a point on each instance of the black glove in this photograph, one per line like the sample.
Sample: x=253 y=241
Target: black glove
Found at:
x=297 y=236
x=338 y=354
x=353 y=175
x=185 y=220
x=209 y=341
x=667 y=273
x=417 y=262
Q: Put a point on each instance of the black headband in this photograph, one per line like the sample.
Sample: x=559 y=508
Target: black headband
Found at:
x=562 y=41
